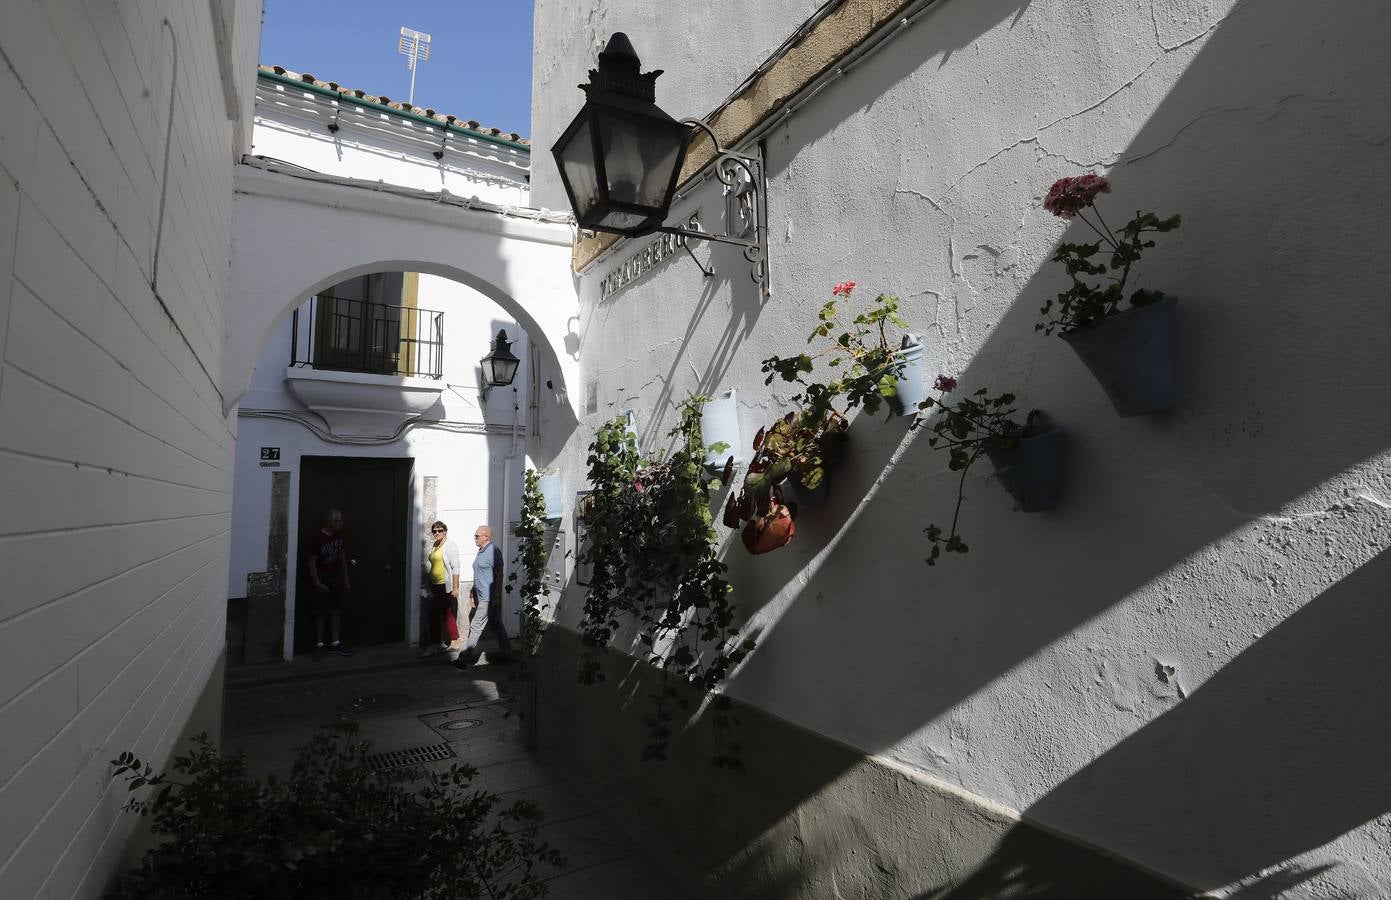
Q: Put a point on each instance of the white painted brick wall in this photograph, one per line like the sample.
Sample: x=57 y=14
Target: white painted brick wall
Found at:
x=115 y=459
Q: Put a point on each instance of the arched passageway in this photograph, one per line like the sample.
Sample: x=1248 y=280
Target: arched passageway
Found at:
x=295 y=237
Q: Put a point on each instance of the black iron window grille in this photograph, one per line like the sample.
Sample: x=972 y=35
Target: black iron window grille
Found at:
x=349 y=335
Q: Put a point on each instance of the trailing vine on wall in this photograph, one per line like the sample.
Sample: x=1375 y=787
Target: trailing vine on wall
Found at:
x=652 y=551
x=530 y=532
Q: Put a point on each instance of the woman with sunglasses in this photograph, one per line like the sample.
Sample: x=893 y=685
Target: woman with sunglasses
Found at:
x=443 y=581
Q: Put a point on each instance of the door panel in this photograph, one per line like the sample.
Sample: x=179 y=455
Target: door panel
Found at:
x=374 y=497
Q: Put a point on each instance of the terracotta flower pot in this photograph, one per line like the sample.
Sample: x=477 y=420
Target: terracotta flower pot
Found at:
x=1132 y=356
x=770 y=531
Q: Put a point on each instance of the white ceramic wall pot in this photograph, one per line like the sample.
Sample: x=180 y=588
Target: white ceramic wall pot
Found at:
x=719 y=424
x=910 y=389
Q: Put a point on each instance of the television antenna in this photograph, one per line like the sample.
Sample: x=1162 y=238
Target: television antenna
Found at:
x=415 y=47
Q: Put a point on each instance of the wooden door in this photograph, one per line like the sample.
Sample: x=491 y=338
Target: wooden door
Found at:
x=374 y=497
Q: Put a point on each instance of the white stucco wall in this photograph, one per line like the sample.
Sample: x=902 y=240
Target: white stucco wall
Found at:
x=1241 y=539
x=292 y=124
x=115 y=457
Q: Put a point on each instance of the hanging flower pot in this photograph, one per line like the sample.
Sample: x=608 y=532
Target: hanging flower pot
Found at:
x=769 y=531
x=909 y=389
x=719 y=424
x=553 y=492
x=1132 y=355
x=1031 y=469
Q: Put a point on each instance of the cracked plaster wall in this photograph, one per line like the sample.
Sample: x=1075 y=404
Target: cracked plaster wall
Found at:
x=1176 y=664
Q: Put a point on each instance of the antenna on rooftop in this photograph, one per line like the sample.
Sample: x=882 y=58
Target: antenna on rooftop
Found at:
x=415 y=47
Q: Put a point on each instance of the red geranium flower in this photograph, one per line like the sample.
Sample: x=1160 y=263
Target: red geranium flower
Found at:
x=1069 y=196
x=843 y=289
x=944 y=383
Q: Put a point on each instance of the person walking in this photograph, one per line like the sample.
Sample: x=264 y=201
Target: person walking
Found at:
x=327 y=563
x=443 y=561
x=486 y=598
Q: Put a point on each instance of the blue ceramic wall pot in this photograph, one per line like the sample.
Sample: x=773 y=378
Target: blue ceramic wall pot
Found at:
x=1132 y=355
x=1032 y=469
x=910 y=389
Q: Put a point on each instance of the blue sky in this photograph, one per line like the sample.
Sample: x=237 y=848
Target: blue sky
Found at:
x=479 y=66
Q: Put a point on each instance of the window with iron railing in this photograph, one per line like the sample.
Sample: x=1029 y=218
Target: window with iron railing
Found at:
x=352 y=335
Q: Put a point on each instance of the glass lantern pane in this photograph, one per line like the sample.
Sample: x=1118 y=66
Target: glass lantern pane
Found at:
x=577 y=162
x=622 y=221
x=639 y=155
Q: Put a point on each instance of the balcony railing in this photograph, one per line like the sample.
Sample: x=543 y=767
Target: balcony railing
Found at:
x=348 y=335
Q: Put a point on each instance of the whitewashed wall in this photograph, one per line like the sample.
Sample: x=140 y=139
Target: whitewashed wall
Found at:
x=292 y=124
x=115 y=458
x=1241 y=539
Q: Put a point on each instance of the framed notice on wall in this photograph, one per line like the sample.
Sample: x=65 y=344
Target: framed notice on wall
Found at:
x=584 y=501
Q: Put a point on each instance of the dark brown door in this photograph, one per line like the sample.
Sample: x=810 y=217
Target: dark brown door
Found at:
x=374 y=497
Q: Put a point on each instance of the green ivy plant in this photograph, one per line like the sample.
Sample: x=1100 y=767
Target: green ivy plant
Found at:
x=333 y=830
x=652 y=551
x=967 y=429
x=528 y=577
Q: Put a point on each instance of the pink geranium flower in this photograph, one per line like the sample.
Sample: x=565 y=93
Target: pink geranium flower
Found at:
x=944 y=383
x=1069 y=196
x=843 y=289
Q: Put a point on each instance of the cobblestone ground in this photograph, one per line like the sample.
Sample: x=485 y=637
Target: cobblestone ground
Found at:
x=469 y=714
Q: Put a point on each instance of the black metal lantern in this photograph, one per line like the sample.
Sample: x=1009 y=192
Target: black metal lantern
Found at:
x=499 y=366
x=621 y=156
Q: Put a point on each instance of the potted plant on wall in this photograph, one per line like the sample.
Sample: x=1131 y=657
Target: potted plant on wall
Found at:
x=870 y=367
x=1129 y=349
x=1027 y=458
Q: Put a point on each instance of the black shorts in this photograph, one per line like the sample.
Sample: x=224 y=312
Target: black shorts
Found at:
x=330 y=600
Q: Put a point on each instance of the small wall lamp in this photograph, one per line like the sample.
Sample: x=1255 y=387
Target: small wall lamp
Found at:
x=500 y=365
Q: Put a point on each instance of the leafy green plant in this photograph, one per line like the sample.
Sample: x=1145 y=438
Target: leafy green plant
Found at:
x=529 y=576
x=1085 y=303
x=652 y=552
x=805 y=444
x=967 y=429
x=334 y=829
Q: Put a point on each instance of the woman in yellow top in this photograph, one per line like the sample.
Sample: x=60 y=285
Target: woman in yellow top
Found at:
x=443 y=581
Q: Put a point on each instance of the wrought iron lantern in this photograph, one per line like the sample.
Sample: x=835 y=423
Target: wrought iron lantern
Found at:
x=500 y=365
x=620 y=157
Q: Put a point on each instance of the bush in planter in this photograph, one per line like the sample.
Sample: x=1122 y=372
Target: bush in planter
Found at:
x=334 y=829
x=528 y=575
x=653 y=555
x=1128 y=349
x=1028 y=458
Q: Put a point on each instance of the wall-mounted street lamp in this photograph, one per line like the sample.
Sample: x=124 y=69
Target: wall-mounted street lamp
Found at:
x=621 y=157
x=500 y=365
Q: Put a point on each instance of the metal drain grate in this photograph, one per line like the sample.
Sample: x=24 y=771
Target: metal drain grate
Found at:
x=411 y=756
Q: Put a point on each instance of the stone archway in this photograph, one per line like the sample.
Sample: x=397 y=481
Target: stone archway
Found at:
x=294 y=237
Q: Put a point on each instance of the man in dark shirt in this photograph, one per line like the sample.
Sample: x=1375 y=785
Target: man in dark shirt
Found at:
x=328 y=571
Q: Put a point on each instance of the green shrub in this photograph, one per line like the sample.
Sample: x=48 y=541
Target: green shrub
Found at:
x=333 y=829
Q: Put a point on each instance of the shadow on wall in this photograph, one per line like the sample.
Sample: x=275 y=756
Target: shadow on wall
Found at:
x=1275 y=754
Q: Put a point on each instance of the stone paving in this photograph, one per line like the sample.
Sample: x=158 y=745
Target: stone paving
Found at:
x=401 y=703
